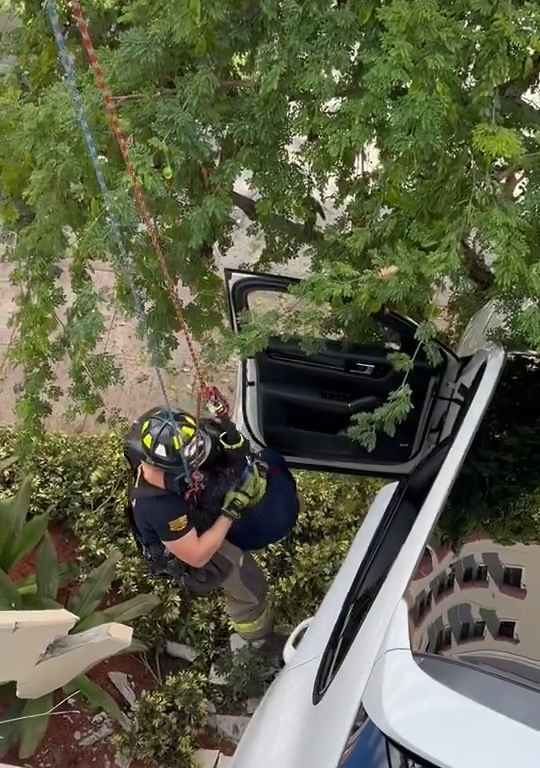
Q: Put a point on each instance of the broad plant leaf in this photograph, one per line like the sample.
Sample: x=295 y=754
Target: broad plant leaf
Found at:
x=94 y=620
x=97 y=697
x=9 y=731
x=27 y=585
x=90 y=594
x=36 y=603
x=9 y=597
x=13 y=513
x=34 y=729
x=132 y=609
x=27 y=539
x=47 y=570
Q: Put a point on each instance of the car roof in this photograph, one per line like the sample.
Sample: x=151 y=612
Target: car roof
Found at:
x=465 y=638
x=474 y=595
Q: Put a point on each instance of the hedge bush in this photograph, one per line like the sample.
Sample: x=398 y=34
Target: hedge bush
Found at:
x=82 y=480
x=166 y=722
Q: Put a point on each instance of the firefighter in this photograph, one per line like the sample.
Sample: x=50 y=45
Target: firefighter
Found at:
x=201 y=502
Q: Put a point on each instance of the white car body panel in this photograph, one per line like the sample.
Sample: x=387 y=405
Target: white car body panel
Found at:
x=417 y=711
x=315 y=638
x=288 y=730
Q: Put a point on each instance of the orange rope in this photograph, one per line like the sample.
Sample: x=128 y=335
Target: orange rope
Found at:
x=205 y=393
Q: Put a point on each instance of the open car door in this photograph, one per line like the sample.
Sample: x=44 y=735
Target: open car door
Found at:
x=301 y=404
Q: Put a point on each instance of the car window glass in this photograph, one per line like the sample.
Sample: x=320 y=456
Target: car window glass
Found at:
x=365 y=588
x=293 y=307
x=483 y=568
x=368 y=747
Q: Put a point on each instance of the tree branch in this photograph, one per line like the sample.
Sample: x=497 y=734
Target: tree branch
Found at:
x=303 y=233
x=475 y=266
x=225 y=85
x=522 y=110
x=512 y=91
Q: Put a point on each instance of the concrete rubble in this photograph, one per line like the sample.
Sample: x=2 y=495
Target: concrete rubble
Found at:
x=211 y=758
x=207 y=758
x=237 y=642
x=94 y=737
x=181 y=651
x=121 y=682
x=232 y=727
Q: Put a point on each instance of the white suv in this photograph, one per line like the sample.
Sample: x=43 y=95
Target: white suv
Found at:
x=426 y=649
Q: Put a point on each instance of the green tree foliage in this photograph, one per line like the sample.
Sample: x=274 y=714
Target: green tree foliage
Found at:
x=298 y=99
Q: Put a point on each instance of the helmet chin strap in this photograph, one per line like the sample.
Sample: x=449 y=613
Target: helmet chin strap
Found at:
x=174 y=482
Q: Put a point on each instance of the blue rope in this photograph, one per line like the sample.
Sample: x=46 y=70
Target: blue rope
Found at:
x=124 y=261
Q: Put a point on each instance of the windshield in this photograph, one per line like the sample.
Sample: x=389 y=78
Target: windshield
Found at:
x=368 y=747
x=474 y=596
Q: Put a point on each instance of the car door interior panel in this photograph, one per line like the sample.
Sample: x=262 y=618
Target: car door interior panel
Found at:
x=304 y=401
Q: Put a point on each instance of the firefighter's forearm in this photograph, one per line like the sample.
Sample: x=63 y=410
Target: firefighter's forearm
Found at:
x=211 y=540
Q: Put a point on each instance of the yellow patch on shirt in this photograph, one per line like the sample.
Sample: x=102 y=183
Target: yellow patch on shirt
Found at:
x=179 y=524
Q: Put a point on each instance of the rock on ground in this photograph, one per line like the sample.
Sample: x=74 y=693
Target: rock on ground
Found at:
x=181 y=651
x=207 y=758
x=232 y=727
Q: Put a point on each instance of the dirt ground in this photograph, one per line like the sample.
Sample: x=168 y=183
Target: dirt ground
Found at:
x=140 y=389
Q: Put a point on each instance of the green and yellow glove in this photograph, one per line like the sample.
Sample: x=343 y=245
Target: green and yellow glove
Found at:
x=249 y=492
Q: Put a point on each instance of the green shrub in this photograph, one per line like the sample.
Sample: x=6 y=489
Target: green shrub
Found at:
x=72 y=474
x=247 y=672
x=83 y=480
x=166 y=722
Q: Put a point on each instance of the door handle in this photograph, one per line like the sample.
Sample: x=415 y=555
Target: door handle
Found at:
x=294 y=639
x=364 y=369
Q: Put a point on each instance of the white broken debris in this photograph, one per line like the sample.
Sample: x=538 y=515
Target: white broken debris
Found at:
x=98 y=735
x=232 y=726
x=121 y=682
x=181 y=651
x=207 y=758
x=237 y=642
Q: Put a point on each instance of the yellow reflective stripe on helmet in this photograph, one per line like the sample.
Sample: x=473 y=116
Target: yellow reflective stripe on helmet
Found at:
x=145 y=425
x=176 y=442
x=147 y=440
x=191 y=421
x=188 y=431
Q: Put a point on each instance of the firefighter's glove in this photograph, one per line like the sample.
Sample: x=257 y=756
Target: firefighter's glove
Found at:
x=255 y=482
x=246 y=494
